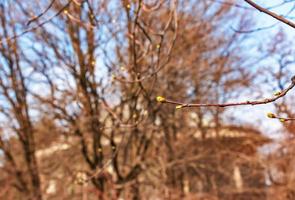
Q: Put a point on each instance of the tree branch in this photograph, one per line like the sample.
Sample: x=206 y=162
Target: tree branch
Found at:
x=277 y=96
x=272 y=14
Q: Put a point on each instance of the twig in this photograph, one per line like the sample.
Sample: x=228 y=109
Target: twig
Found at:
x=37 y=26
x=282 y=119
x=41 y=14
x=277 y=96
x=272 y=14
x=232 y=4
x=254 y=30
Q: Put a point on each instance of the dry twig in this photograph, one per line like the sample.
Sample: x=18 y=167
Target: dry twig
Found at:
x=254 y=102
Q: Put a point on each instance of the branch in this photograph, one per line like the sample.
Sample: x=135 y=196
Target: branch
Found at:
x=41 y=14
x=277 y=96
x=272 y=14
x=36 y=26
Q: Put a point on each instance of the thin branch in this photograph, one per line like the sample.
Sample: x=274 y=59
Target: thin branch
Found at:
x=272 y=14
x=36 y=26
x=254 y=30
x=41 y=14
x=277 y=96
x=282 y=119
x=231 y=4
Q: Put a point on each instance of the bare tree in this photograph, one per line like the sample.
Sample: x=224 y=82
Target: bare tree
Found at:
x=78 y=85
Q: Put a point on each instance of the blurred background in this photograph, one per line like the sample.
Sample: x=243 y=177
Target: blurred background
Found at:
x=78 y=112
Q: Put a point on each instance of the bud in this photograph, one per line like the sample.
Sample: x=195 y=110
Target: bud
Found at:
x=271 y=115
x=160 y=99
x=178 y=107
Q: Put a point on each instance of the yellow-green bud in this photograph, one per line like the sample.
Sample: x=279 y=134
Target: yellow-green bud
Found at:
x=178 y=107
x=160 y=99
x=271 y=115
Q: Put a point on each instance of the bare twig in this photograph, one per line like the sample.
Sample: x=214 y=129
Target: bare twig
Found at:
x=231 y=4
x=254 y=30
x=272 y=14
x=255 y=102
x=36 y=26
x=41 y=14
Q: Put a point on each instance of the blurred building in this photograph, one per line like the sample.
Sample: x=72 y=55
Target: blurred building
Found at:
x=223 y=163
